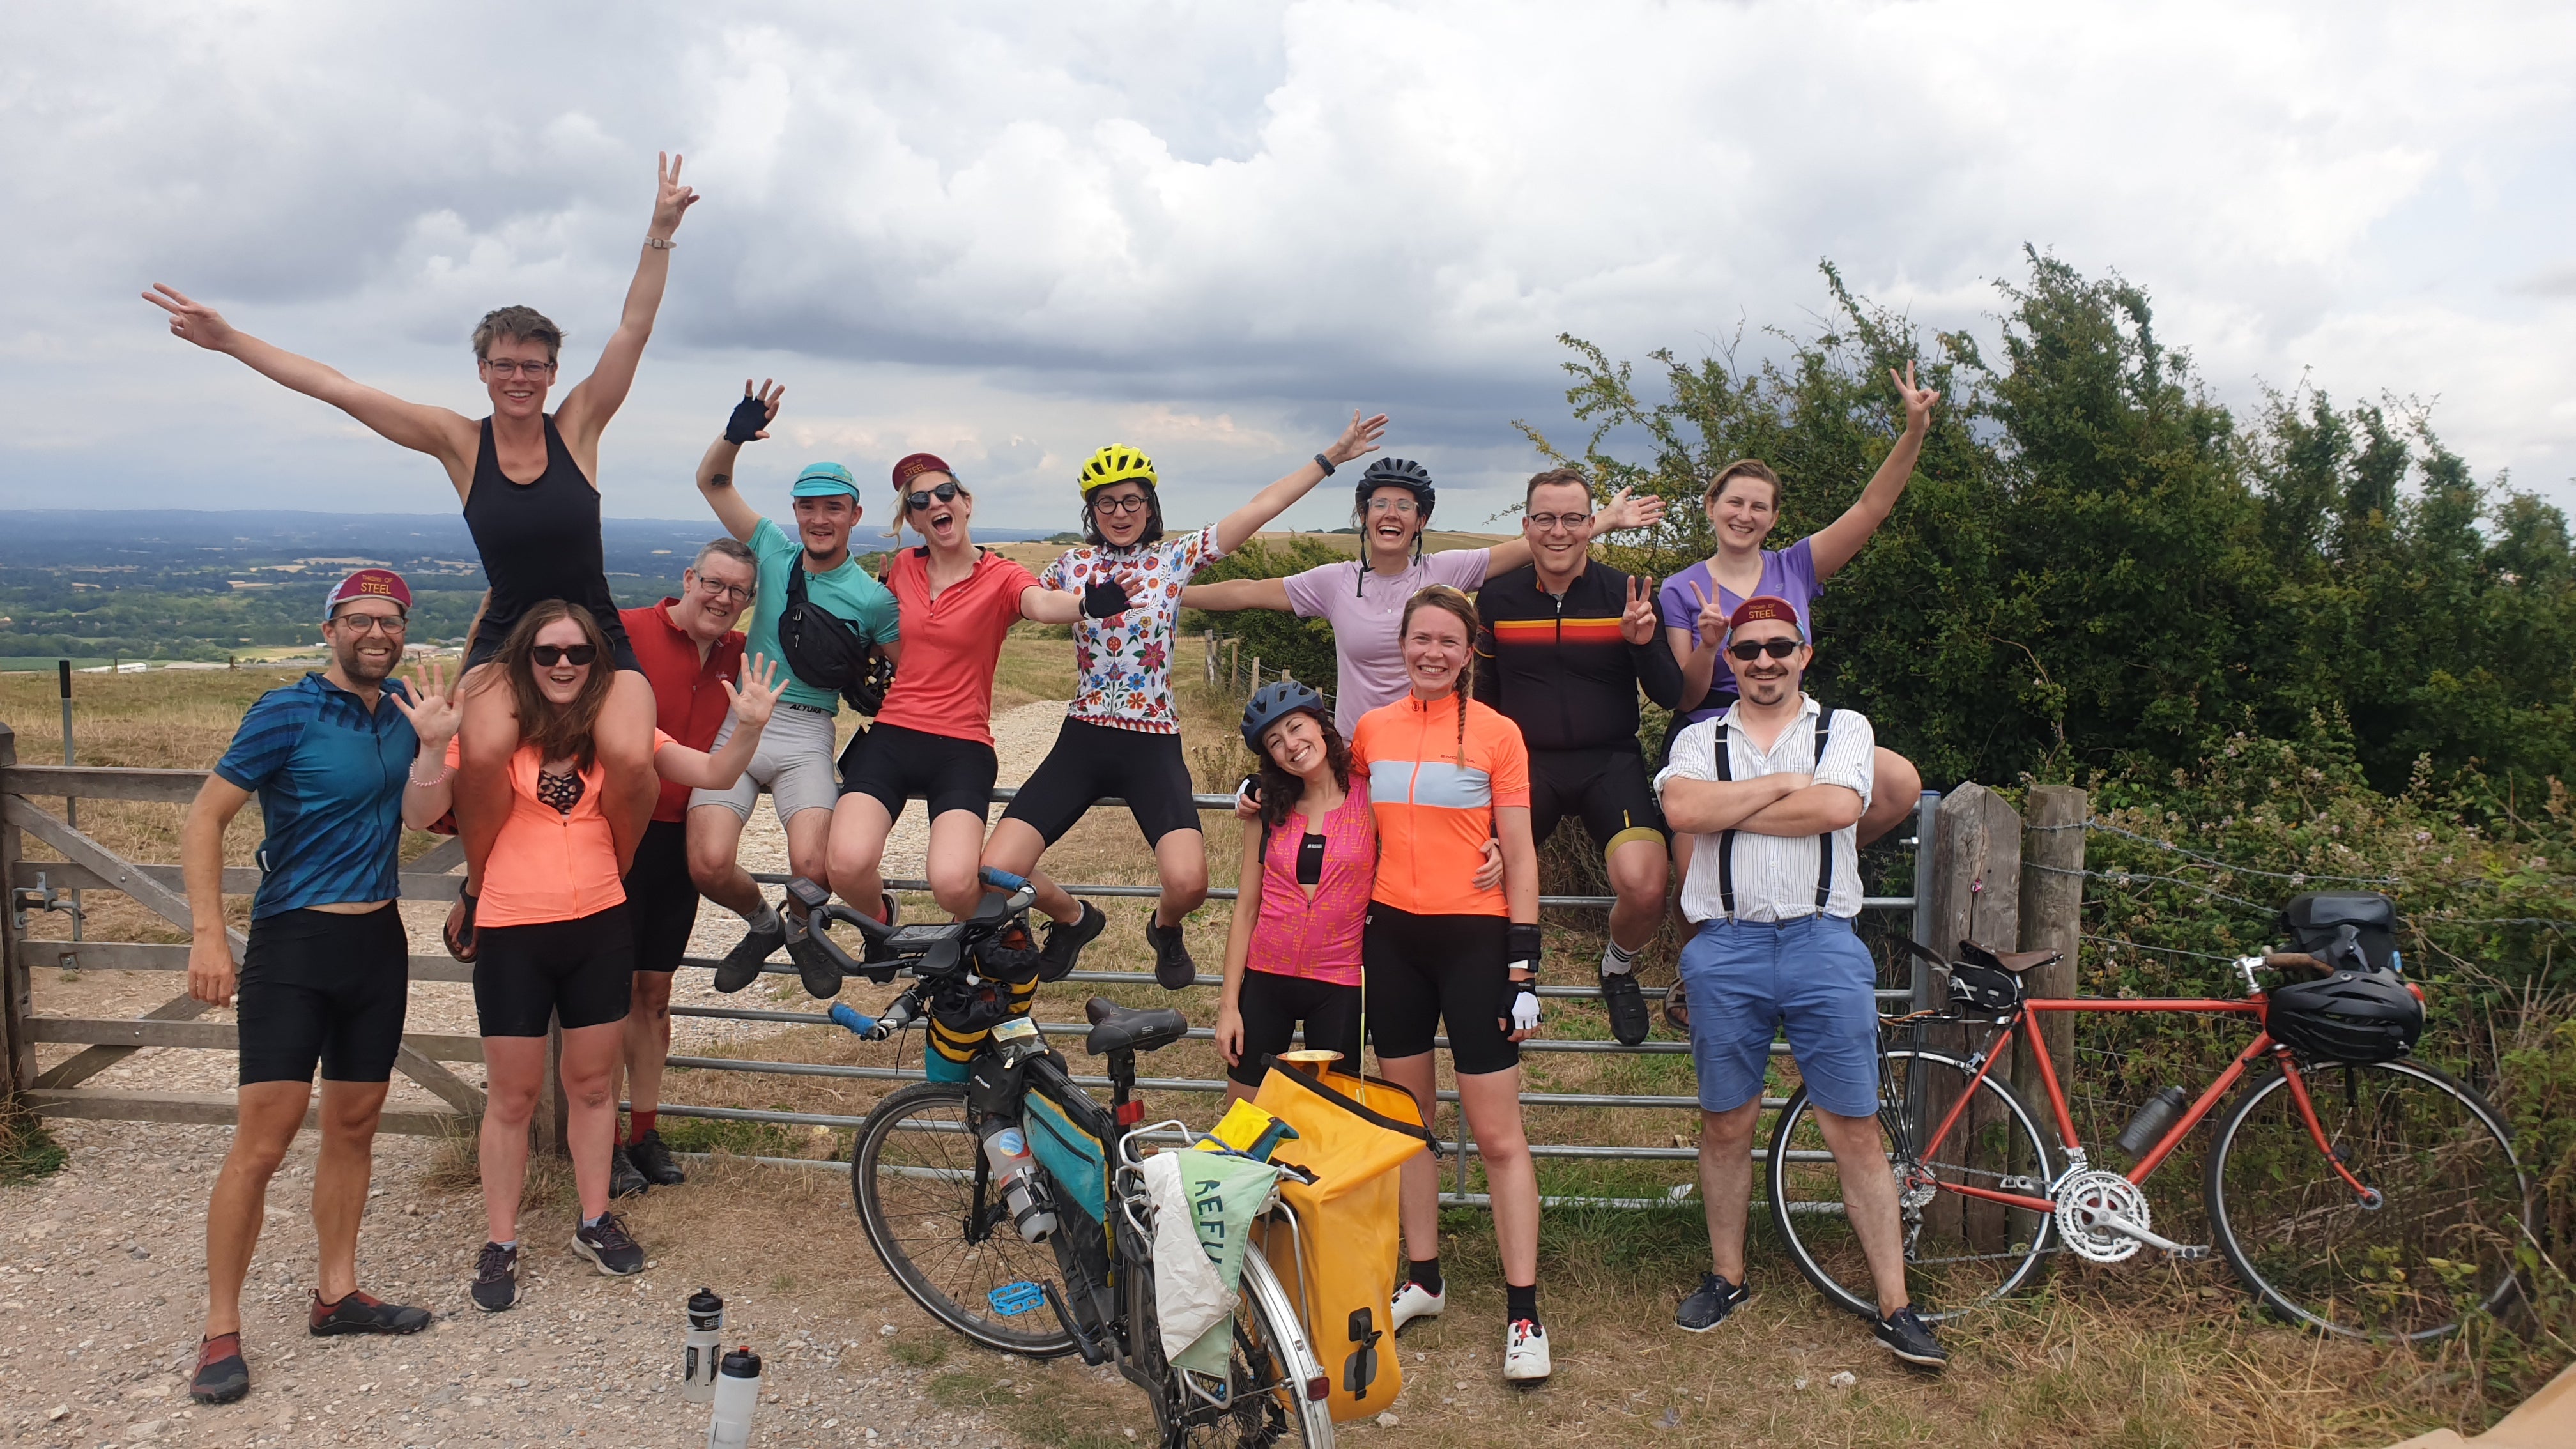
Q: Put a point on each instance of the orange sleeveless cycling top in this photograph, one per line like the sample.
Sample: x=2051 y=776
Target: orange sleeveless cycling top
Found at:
x=550 y=864
x=1434 y=811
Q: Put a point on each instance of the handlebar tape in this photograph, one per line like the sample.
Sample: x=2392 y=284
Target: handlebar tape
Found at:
x=843 y=1016
x=1004 y=880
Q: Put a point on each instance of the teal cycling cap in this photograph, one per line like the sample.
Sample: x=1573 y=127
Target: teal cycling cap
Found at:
x=824 y=480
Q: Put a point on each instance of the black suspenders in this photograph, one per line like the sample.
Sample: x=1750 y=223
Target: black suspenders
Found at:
x=1726 y=839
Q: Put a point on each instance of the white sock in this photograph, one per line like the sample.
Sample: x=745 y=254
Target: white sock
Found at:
x=592 y=1222
x=766 y=920
x=1618 y=960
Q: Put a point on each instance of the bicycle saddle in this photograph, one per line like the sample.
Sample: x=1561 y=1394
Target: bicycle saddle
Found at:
x=2015 y=962
x=1116 y=1028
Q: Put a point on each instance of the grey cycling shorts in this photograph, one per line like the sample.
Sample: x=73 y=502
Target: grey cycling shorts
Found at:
x=794 y=764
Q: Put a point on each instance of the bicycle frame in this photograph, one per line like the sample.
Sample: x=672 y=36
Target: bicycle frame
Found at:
x=2024 y=1023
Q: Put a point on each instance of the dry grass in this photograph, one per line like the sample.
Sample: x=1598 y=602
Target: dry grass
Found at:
x=2135 y=1356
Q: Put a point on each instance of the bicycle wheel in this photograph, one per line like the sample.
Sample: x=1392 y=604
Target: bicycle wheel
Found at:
x=1959 y=1251
x=2442 y=1242
x=1261 y=1400
x=917 y=1174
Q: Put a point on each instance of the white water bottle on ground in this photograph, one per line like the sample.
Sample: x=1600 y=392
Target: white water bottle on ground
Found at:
x=704 y=1344
x=737 y=1392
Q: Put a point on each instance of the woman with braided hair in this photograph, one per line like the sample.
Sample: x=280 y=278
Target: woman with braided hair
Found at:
x=1445 y=774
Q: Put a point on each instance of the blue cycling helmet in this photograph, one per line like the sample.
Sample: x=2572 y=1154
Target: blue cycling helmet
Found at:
x=1272 y=703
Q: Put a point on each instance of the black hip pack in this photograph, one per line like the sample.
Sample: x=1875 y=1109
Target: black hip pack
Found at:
x=826 y=651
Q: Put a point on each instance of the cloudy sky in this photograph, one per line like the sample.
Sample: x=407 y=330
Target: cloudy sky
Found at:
x=1014 y=232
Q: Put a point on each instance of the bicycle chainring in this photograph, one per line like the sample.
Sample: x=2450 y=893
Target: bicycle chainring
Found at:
x=2087 y=1197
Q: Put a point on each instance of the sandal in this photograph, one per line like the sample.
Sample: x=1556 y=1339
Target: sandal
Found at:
x=458 y=933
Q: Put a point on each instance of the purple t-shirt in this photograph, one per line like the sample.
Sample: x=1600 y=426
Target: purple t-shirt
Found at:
x=1787 y=573
x=1367 y=615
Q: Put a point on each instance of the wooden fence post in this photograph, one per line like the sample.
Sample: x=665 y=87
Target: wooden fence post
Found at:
x=2052 y=904
x=547 y=1126
x=17 y=1053
x=1211 y=656
x=1976 y=875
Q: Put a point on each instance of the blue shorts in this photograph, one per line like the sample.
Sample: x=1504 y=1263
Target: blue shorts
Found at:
x=1746 y=979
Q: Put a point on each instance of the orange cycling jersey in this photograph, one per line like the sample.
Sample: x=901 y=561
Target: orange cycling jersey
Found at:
x=550 y=864
x=1435 y=802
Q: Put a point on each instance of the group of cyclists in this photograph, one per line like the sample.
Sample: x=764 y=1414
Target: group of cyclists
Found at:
x=599 y=766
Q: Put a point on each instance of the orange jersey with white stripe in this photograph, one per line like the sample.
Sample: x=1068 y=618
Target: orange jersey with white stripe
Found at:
x=1435 y=801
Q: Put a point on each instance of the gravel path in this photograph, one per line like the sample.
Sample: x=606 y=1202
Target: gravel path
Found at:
x=102 y=1267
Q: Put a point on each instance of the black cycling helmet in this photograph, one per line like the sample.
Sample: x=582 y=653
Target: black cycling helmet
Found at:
x=1274 y=702
x=2351 y=1016
x=1401 y=473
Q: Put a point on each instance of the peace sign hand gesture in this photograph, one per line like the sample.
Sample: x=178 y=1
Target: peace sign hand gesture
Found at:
x=761 y=684
x=671 y=200
x=1637 y=624
x=1919 y=401
x=1711 y=623
x=192 y=320
x=433 y=710
x=1358 y=439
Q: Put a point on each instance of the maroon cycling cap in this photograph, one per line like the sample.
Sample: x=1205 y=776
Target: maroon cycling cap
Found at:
x=1766 y=606
x=369 y=584
x=913 y=465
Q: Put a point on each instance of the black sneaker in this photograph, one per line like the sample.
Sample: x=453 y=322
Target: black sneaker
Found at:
x=496 y=1278
x=1708 y=1307
x=623 y=1178
x=654 y=1160
x=822 y=976
x=741 y=965
x=1628 y=1019
x=605 y=1243
x=1909 y=1338
x=1173 y=968
x=222 y=1375
x=361 y=1313
x=1064 y=942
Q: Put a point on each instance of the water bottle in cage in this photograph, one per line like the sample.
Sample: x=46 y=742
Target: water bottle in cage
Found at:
x=1016 y=1170
x=2153 y=1121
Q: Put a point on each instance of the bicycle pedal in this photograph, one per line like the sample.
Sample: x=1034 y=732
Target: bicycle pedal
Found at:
x=2190 y=1252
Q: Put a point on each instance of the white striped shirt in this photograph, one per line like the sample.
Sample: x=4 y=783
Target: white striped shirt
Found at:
x=1775 y=875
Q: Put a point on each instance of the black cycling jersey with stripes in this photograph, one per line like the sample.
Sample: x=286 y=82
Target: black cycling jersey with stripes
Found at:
x=1557 y=665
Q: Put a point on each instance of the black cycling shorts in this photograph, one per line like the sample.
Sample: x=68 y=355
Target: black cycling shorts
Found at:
x=581 y=971
x=661 y=900
x=891 y=764
x=1091 y=763
x=1608 y=789
x=321 y=986
x=1273 y=1005
x=1426 y=971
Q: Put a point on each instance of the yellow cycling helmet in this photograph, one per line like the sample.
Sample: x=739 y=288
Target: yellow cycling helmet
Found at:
x=1116 y=463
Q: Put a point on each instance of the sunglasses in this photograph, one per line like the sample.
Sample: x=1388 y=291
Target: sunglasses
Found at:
x=944 y=492
x=1753 y=649
x=550 y=655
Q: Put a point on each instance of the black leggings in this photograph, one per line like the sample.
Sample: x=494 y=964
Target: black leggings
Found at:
x=581 y=971
x=323 y=986
x=1094 y=762
x=1272 y=1006
x=1426 y=970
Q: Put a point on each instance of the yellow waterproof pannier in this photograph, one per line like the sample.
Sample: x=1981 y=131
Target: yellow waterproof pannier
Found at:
x=1340 y=1265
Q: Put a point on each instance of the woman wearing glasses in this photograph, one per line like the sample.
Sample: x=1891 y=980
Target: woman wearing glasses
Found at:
x=527 y=479
x=558 y=943
x=1743 y=503
x=1121 y=738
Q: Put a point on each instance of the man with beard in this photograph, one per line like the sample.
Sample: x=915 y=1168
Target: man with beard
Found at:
x=326 y=975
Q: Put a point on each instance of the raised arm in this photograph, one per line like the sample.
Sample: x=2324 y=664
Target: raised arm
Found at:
x=596 y=398
x=749 y=424
x=1231 y=595
x=1656 y=670
x=1838 y=542
x=1357 y=440
x=752 y=705
x=211 y=971
x=1619 y=515
x=434 y=714
x=1695 y=647
x=443 y=434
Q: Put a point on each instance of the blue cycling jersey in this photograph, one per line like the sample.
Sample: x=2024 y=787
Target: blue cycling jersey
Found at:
x=329 y=775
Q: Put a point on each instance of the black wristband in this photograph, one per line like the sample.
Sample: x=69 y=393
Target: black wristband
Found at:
x=1521 y=943
x=1324 y=463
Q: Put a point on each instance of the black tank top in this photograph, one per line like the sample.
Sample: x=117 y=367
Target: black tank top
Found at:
x=539 y=541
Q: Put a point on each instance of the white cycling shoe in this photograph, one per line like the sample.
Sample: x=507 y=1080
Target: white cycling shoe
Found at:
x=1525 y=1358
x=1413 y=1301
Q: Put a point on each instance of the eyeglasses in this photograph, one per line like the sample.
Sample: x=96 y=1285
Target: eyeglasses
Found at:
x=1752 y=649
x=718 y=589
x=1551 y=522
x=919 y=501
x=1131 y=503
x=388 y=624
x=504 y=367
x=1406 y=506
x=550 y=655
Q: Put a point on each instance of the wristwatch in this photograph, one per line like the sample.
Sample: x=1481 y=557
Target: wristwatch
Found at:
x=1324 y=463
x=660 y=243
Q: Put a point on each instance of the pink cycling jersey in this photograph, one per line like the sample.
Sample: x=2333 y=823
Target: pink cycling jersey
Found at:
x=1317 y=938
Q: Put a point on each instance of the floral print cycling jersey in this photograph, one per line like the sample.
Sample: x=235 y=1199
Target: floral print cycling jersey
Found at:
x=1125 y=660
